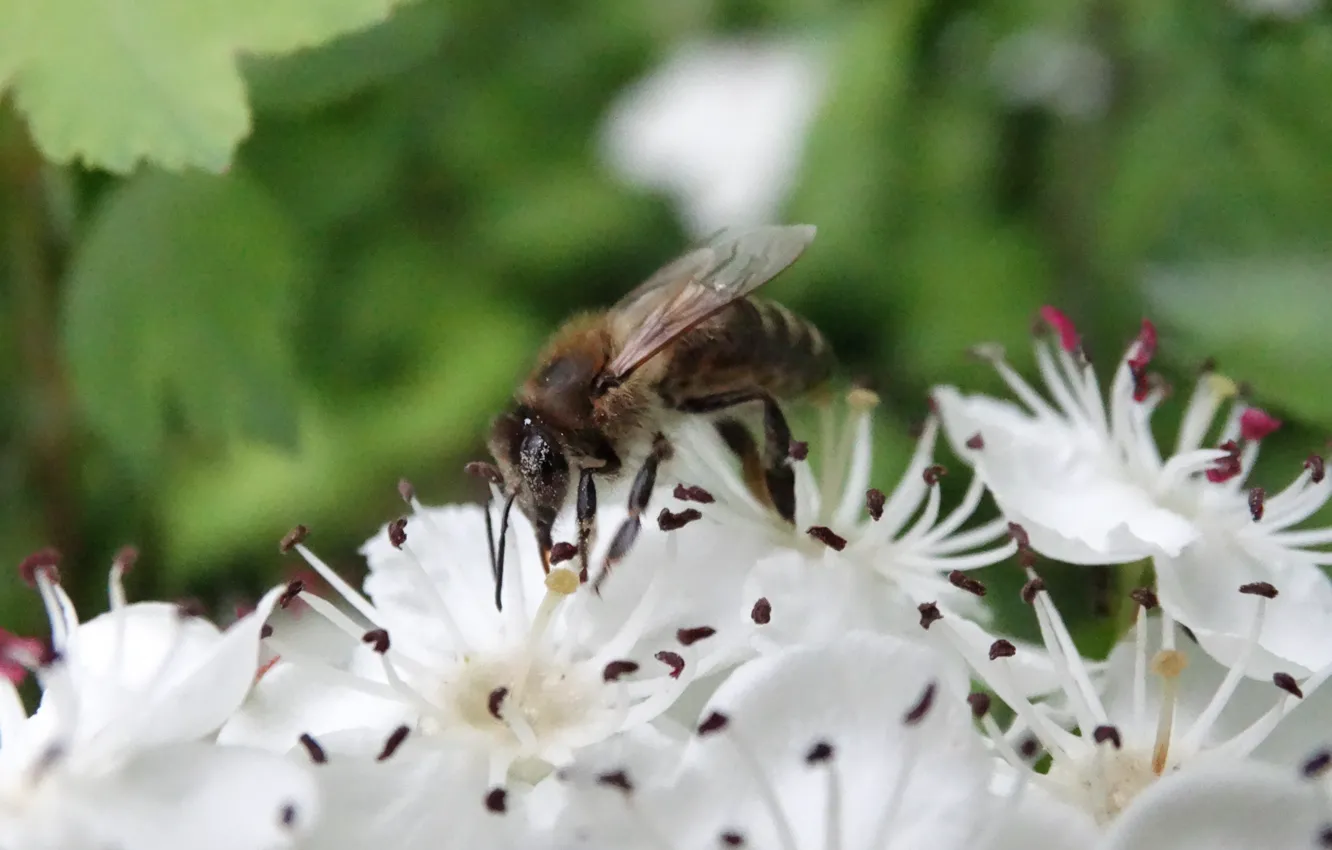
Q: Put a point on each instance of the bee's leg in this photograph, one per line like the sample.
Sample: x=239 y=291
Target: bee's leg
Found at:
x=639 y=496
x=778 y=476
x=587 y=518
x=740 y=441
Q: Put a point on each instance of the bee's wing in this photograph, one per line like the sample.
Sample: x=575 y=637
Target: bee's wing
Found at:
x=688 y=290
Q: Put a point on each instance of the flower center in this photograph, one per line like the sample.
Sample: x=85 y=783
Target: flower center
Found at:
x=524 y=694
x=1104 y=782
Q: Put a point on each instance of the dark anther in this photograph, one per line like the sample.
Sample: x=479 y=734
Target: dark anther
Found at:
x=689 y=637
x=397 y=532
x=1019 y=535
x=293 y=590
x=126 y=558
x=874 y=502
x=317 y=754
x=487 y=472
x=288 y=815
x=923 y=705
x=1002 y=649
x=962 y=581
x=406 y=491
x=761 y=613
x=976 y=442
x=44 y=560
x=497 y=801
x=932 y=474
x=819 y=753
x=827 y=537
x=495 y=701
x=615 y=669
x=1317 y=468
x=190 y=607
x=1032 y=588
x=1257 y=496
x=616 y=779
x=798 y=450
x=290 y=540
x=265 y=631
x=561 y=552
x=732 y=839
x=1259 y=588
x=1287 y=683
x=394 y=741
x=668 y=521
x=693 y=494
x=1029 y=748
x=714 y=722
x=377 y=639
x=1227 y=467
x=980 y=704
x=1108 y=733
x=1325 y=836
x=1144 y=597
x=1317 y=764
x=673 y=660
x=929 y=613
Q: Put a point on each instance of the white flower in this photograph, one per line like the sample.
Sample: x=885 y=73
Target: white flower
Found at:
x=857 y=744
x=1090 y=486
x=449 y=698
x=855 y=557
x=720 y=126
x=1037 y=67
x=1150 y=717
x=117 y=754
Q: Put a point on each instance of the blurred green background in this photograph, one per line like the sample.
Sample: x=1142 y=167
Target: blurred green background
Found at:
x=195 y=363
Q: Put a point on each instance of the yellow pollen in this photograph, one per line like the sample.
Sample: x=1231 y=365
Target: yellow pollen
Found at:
x=862 y=399
x=1169 y=663
x=562 y=581
x=1221 y=386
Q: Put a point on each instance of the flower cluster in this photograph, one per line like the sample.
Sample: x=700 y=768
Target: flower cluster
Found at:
x=739 y=680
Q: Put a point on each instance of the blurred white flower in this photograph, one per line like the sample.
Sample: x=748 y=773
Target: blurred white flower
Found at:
x=720 y=126
x=856 y=558
x=449 y=698
x=117 y=754
x=1090 y=486
x=858 y=744
x=1143 y=718
x=1049 y=70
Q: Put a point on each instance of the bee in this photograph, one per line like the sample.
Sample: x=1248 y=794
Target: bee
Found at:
x=688 y=341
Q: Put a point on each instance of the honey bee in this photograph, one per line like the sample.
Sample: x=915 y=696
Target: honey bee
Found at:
x=688 y=341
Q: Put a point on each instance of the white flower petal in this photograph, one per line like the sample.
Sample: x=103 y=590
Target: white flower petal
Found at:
x=1243 y=807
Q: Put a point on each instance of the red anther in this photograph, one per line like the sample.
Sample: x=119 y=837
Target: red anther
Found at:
x=1062 y=325
x=874 y=502
x=126 y=558
x=689 y=637
x=615 y=669
x=1257 y=496
x=43 y=561
x=923 y=705
x=673 y=660
x=714 y=722
x=798 y=450
x=1144 y=347
x=561 y=552
x=495 y=702
x=406 y=491
x=1227 y=467
x=1256 y=423
x=296 y=536
x=929 y=614
x=932 y=474
x=827 y=537
x=761 y=613
x=976 y=442
x=397 y=532
x=1002 y=649
x=687 y=493
x=1317 y=468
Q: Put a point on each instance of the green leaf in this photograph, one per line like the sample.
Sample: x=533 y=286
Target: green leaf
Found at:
x=181 y=293
x=114 y=83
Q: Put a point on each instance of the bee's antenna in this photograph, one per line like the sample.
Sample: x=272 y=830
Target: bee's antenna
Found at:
x=499 y=559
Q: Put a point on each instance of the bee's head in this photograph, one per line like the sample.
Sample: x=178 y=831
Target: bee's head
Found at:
x=535 y=469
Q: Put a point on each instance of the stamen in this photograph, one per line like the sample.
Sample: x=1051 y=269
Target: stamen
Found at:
x=714 y=722
x=294 y=588
x=1167 y=664
x=495 y=701
x=394 y=741
x=561 y=552
x=827 y=537
x=923 y=705
x=689 y=637
x=929 y=614
x=975 y=442
x=1033 y=586
x=980 y=704
x=1256 y=497
x=766 y=792
x=1317 y=468
x=821 y=754
x=378 y=639
x=1255 y=424
x=1106 y=733
x=1063 y=326
x=732 y=839
x=42 y=561
x=1287 y=683
x=1002 y=649
x=686 y=493
x=316 y=752
x=673 y=660
x=668 y=521
x=497 y=801
x=614 y=670
x=962 y=581
x=1316 y=765
x=874 y=502
x=397 y=532
x=617 y=779
x=761 y=613
x=798 y=450
x=120 y=566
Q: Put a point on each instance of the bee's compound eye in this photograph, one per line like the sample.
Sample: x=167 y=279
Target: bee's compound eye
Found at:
x=542 y=460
